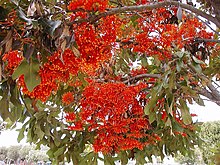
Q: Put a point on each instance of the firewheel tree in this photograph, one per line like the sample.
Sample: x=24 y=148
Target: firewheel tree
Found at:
x=112 y=76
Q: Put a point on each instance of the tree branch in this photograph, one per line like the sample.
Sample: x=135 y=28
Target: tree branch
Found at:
x=206 y=40
x=214 y=94
x=141 y=76
x=139 y=8
x=207 y=94
x=214 y=91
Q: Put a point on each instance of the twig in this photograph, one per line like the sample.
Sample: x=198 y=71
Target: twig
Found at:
x=213 y=94
x=207 y=94
x=218 y=86
x=206 y=40
x=141 y=76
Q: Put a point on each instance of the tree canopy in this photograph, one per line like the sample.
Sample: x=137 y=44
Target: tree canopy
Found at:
x=115 y=76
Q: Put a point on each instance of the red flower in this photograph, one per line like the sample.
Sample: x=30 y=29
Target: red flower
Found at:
x=78 y=126
x=13 y=59
x=193 y=114
x=70 y=116
x=67 y=98
x=113 y=111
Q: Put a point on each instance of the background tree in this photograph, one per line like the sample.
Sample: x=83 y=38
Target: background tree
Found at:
x=195 y=158
x=210 y=135
x=24 y=151
x=68 y=74
x=208 y=151
x=2 y=126
x=3 y=153
x=37 y=155
x=216 y=158
x=13 y=153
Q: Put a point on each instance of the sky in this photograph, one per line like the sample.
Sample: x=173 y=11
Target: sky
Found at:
x=210 y=112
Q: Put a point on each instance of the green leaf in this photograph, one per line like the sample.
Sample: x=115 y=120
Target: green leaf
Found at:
x=15 y=96
x=39 y=132
x=109 y=160
x=172 y=81
x=50 y=153
x=152 y=117
x=90 y=158
x=123 y=157
x=4 y=110
x=81 y=77
x=179 y=65
x=30 y=72
x=189 y=91
x=60 y=151
x=133 y=20
x=180 y=54
x=144 y=61
x=140 y=158
x=39 y=115
x=187 y=119
x=199 y=101
x=21 y=134
x=148 y=108
x=196 y=60
x=197 y=67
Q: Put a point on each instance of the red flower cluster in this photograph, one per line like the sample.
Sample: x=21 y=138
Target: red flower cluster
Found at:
x=91 y=45
x=113 y=111
x=82 y=7
x=158 y=36
x=56 y=70
x=136 y=72
x=13 y=59
x=67 y=98
x=95 y=46
x=89 y=5
x=70 y=116
x=96 y=43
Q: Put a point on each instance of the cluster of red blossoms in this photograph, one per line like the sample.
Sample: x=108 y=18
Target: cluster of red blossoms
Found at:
x=114 y=113
x=94 y=45
x=53 y=72
x=13 y=59
x=160 y=34
x=68 y=98
x=89 y=5
x=82 y=7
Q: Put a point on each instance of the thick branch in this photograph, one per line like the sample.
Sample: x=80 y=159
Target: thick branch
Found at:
x=209 y=95
x=214 y=94
x=141 y=76
x=206 y=40
x=150 y=7
x=214 y=91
